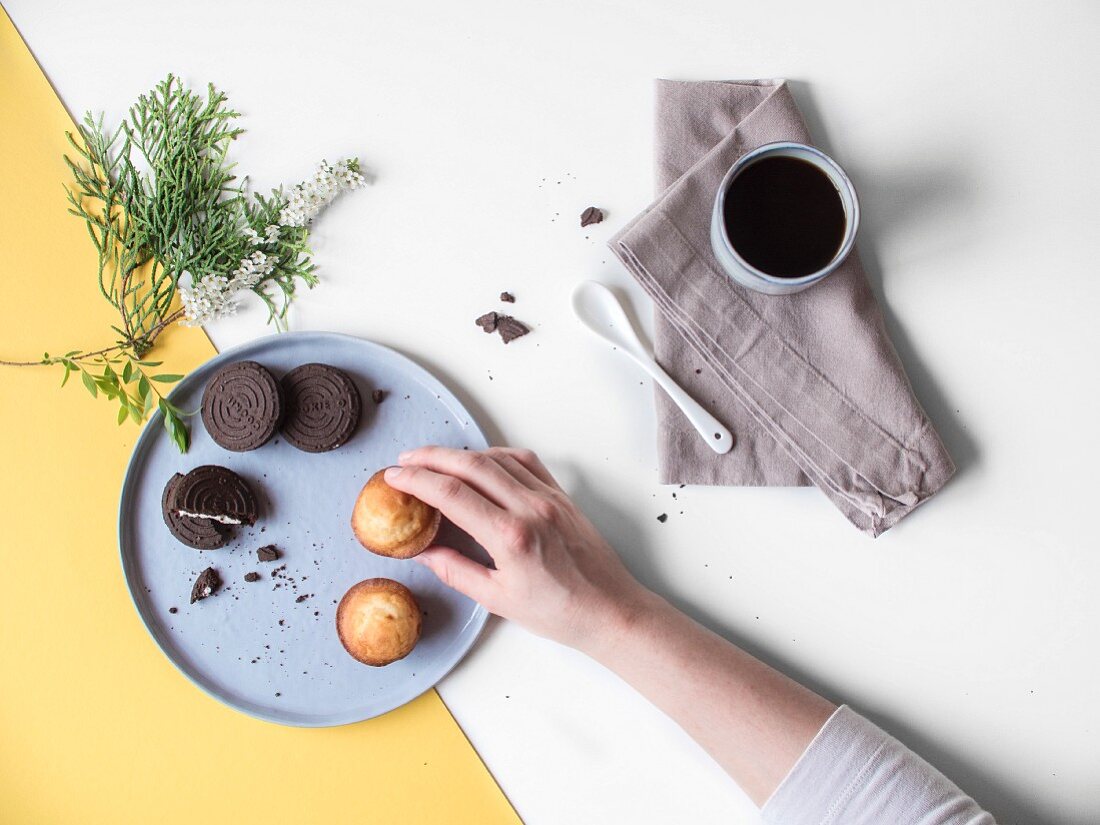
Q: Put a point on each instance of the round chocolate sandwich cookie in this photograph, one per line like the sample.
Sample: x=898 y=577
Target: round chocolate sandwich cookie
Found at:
x=215 y=493
x=322 y=407
x=200 y=533
x=242 y=406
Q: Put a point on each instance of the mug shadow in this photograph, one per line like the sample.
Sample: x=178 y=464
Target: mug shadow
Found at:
x=890 y=199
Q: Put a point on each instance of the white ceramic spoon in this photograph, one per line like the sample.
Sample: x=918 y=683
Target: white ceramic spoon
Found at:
x=601 y=312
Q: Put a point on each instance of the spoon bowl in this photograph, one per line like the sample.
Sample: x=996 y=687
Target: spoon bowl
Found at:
x=598 y=309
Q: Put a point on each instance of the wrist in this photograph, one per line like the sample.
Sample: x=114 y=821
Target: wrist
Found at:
x=620 y=619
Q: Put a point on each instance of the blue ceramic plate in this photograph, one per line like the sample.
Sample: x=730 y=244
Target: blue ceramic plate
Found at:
x=256 y=647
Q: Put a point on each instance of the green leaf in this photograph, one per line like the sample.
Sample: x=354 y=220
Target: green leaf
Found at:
x=167 y=378
x=143 y=387
x=150 y=363
x=65 y=378
x=176 y=429
x=127 y=372
x=89 y=383
x=122 y=413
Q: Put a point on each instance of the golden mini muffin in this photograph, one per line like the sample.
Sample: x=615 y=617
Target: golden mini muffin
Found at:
x=378 y=621
x=392 y=523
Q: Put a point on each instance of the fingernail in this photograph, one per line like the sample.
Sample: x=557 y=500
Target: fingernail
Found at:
x=392 y=473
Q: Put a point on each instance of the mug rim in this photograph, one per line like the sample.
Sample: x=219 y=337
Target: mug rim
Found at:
x=852 y=223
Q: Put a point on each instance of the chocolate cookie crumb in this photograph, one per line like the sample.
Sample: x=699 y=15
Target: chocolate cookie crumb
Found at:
x=591 y=215
x=662 y=518
x=508 y=297
x=510 y=329
x=378 y=396
x=488 y=322
x=269 y=552
x=252 y=577
x=205 y=585
x=301 y=598
x=173 y=610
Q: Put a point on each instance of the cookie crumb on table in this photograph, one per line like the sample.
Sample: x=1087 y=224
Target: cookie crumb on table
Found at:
x=591 y=215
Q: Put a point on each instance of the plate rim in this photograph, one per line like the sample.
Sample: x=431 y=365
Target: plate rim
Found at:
x=479 y=617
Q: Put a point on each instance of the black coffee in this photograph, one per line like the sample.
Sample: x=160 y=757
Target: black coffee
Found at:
x=784 y=217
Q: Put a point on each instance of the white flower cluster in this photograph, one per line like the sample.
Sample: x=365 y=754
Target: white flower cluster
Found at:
x=271 y=235
x=215 y=296
x=311 y=196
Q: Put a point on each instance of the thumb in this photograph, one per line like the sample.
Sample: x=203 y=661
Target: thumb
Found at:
x=457 y=571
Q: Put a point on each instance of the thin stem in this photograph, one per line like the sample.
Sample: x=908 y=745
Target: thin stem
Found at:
x=154 y=333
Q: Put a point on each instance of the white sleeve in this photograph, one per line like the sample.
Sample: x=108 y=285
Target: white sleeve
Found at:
x=853 y=773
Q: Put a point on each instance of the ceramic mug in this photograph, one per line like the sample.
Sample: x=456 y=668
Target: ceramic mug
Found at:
x=745 y=273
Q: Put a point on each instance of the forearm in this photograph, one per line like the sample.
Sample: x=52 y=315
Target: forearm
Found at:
x=554 y=574
x=754 y=721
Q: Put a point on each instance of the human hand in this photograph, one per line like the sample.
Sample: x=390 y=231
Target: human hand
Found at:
x=555 y=574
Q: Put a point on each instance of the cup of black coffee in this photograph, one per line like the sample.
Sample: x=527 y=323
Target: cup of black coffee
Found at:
x=785 y=217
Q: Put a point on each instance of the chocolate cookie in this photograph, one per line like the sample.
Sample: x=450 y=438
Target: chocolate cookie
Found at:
x=215 y=493
x=206 y=585
x=242 y=406
x=200 y=533
x=322 y=407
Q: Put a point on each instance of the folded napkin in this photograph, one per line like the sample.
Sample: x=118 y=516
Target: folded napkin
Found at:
x=809 y=383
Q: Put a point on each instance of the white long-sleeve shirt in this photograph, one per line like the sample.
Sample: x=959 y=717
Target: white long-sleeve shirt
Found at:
x=854 y=773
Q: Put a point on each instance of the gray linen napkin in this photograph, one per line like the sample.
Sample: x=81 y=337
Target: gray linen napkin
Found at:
x=809 y=383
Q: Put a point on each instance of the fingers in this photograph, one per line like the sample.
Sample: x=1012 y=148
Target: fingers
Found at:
x=453 y=497
x=530 y=462
x=506 y=460
x=475 y=469
x=455 y=570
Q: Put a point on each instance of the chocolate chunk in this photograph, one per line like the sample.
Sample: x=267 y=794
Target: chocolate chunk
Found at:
x=510 y=329
x=200 y=533
x=269 y=552
x=322 y=407
x=301 y=598
x=662 y=518
x=206 y=584
x=488 y=322
x=242 y=406
x=591 y=215
x=252 y=577
x=173 y=610
x=508 y=297
x=215 y=493
x=378 y=396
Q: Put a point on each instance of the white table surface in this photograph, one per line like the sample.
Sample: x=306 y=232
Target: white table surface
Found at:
x=972 y=630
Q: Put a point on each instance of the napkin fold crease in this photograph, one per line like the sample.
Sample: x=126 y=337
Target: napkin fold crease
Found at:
x=809 y=383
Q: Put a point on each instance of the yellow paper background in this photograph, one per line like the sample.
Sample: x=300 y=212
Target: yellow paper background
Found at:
x=96 y=726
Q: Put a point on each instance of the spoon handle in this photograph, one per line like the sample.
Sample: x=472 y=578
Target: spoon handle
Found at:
x=717 y=437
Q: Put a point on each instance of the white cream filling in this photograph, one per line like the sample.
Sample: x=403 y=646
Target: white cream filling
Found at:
x=222 y=519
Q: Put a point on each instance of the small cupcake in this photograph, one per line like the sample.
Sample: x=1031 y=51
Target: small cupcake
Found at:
x=378 y=622
x=391 y=523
